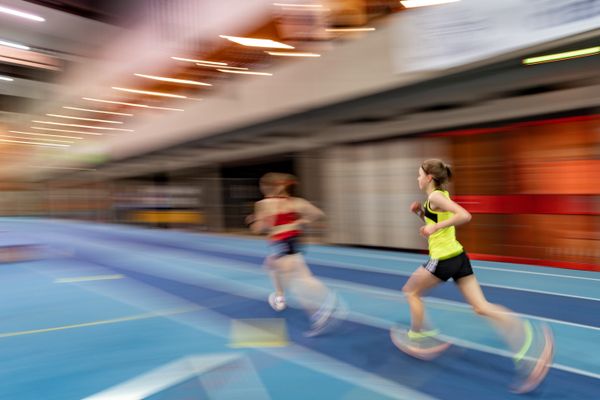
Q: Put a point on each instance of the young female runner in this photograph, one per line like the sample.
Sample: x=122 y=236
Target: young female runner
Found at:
x=283 y=217
x=533 y=349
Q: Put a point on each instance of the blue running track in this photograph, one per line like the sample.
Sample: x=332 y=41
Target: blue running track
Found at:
x=119 y=312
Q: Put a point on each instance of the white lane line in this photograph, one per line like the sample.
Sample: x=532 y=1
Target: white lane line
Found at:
x=238 y=288
x=367 y=255
x=137 y=317
x=217 y=242
x=347 y=252
x=89 y=278
x=572 y=296
x=397 y=296
x=193 y=366
x=328 y=365
x=442 y=303
x=360 y=267
x=385 y=324
x=363 y=267
x=218 y=324
x=537 y=273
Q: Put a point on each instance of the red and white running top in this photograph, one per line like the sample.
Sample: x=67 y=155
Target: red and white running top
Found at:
x=283 y=217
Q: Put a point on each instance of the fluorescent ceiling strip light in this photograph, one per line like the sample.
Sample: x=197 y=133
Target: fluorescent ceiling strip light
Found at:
x=84 y=119
x=251 y=42
x=177 y=96
x=591 y=51
x=83 y=126
x=238 y=68
x=6 y=78
x=367 y=29
x=21 y=14
x=298 y=5
x=47 y=135
x=97 y=111
x=165 y=79
x=217 y=66
x=44 y=140
x=132 y=104
x=14 y=45
x=245 y=72
x=67 y=131
x=199 y=61
x=291 y=54
x=69 y=168
x=425 y=3
x=34 y=143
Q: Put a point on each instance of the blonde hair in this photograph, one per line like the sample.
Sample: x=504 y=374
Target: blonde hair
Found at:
x=276 y=180
x=440 y=171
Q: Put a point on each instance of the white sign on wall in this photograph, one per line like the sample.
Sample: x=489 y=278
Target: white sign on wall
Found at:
x=458 y=33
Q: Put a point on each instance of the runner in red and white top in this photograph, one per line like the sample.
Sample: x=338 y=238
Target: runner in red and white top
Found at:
x=282 y=217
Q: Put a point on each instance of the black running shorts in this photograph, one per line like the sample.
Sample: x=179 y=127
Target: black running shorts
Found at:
x=455 y=267
x=285 y=247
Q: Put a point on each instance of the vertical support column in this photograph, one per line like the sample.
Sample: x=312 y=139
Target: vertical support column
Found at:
x=309 y=169
x=310 y=173
x=211 y=198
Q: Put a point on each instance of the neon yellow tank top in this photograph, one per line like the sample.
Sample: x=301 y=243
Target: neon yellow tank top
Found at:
x=443 y=243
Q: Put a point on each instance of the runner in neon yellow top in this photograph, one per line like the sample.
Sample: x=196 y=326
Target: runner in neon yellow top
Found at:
x=532 y=346
x=443 y=243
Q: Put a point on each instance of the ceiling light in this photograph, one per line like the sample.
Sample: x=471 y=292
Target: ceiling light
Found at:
x=245 y=72
x=21 y=14
x=217 y=66
x=131 y=104
x=251 y=42
x=6 y=78
x=15 y=45
x=69 y=168
x=67 y=131
x=97 y=111
x=83 y=126
x=424 y=3
x=366 y=29
x=34 y=143
x=238 y=68
x=85 y=119
x=177 y=96
x=198 y=61
x=298 y=5
x=291 y=54
x=44 y=140
x=562 y=56
x=47 y=135
x=164 y=79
